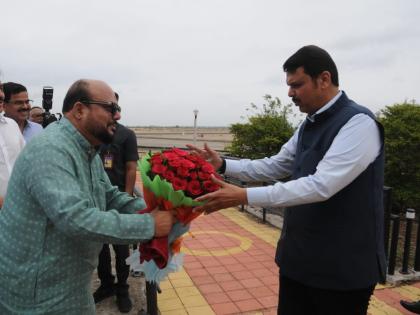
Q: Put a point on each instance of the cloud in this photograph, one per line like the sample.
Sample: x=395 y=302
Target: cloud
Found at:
x=166 y=58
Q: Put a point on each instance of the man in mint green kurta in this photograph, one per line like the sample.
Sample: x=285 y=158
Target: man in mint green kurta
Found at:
x=59 y=209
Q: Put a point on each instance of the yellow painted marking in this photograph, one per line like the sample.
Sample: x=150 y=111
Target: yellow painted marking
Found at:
x=378 y=307
x=265 y=232
x=243 y=246
x=408 y=292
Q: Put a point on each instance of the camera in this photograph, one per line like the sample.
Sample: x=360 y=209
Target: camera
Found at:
x=47 y=101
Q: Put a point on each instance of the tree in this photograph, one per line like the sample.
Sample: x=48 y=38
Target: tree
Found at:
x=265 y=132
x=402 y=153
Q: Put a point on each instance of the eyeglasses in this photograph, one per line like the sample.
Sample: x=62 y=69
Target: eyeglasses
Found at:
x=21 y=102
x=110 y=107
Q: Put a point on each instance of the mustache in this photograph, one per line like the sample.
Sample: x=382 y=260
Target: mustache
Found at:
x=23 y=110
x=295 y=99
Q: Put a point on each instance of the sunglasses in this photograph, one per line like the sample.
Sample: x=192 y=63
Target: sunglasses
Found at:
x=110 y=107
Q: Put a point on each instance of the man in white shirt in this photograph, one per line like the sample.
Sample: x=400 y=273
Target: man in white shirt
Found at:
x=16 y=106
x=331 y=251
x=11 y=143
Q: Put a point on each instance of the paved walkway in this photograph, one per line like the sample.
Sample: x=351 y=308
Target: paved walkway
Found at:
x=229 y=269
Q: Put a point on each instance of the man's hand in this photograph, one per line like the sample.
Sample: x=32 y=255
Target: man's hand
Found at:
x=227 y=196
x=163 y=222
x=1 y=202
x=207 y=154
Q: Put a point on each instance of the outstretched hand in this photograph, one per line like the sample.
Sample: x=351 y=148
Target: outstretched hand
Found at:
x=227 y=196
x=207 y=154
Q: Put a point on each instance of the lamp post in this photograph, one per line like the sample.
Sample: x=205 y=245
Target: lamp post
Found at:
x=195 y=111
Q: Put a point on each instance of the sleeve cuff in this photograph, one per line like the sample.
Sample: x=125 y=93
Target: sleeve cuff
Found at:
x=257 y=196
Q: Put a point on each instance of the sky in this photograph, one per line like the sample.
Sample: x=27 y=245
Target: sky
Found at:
x=168 y=57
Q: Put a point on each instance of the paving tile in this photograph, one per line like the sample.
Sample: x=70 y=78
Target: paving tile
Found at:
x=236 y=267
x=231 y=285
x=226 y=260
x=200 y=310
x=249 y=305
x=167 y=294
x=268 y=301
x=262 y=272
x=187 y=291
x=261 y=292
x=251 y=283
x=170 y=304
x=195 y=300
x=198 y=272
x=216 y=270
x=269 y=280
x=225 y=308
x=193 y=265
x=177 y=283
x=271 y=311
x=242 y=275
x=220 y=277
x=215 y=298
x=180 y=311
x=238 y=295
x=198 y=280
x=210 y=288
x=274 y=288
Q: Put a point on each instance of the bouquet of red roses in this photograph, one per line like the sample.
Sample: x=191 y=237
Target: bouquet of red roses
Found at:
x=172 y=179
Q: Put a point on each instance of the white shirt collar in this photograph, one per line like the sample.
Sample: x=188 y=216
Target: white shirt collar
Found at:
x=2 y=119
x=325 y=107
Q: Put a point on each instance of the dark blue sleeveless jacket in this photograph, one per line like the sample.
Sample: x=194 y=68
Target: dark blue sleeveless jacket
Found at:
x=338 y=243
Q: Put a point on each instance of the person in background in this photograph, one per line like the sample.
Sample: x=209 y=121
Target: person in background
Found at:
x=11 y=143
x=330 y=251
x=120 y=163
x=36 y=114
x=57 y=215
x=16 y=106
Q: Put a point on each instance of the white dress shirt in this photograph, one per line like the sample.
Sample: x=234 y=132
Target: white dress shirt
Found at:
x=11 y=143
x=356 y=145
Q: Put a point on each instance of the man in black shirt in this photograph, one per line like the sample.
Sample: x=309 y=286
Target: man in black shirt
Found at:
x=120 y=161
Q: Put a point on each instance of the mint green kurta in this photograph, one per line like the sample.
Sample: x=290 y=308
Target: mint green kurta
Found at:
x=59 y=209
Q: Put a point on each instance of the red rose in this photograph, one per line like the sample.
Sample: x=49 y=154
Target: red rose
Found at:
x=187 y=164
x=156 y=159
x=159 y=168
x=209 y=186
x=169 y=175
x=182 y=171
x=208 y=168
x=203 y=175
x=193 y=175
x=170 y=155
x=179 y=183
x=194 y=188
x=192 y=157
x=180 y=152
x=175 y=162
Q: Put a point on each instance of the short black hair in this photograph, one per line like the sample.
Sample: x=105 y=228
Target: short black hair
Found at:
x=314 y=61
x=12 y=88
x=79 y=90
x=117 y=96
